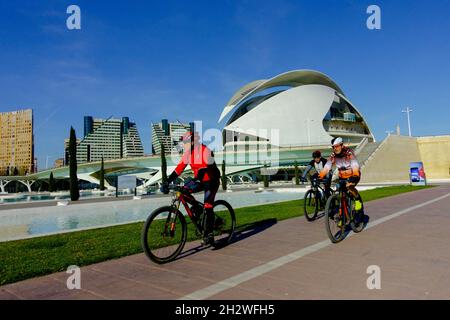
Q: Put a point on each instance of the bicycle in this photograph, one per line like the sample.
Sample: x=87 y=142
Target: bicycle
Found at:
x=164 y=233
x=339 y=212
x=314 y=200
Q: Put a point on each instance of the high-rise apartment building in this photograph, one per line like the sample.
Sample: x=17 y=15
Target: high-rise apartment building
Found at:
x=16 y=142
x=168 y=134
x=110 y=139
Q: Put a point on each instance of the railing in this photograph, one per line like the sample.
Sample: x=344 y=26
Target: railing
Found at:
x=361 y=145
x=374 y=152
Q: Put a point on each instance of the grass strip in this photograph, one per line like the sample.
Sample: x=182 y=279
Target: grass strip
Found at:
x=23 y=259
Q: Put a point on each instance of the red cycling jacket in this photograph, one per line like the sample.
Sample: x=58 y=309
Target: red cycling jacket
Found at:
x=200 y=157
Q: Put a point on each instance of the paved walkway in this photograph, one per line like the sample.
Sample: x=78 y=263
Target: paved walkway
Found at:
x=408 y=237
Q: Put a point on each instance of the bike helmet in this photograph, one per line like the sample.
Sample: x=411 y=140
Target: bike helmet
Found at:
x=337 y=141
x=316 y=154
x=186 y=136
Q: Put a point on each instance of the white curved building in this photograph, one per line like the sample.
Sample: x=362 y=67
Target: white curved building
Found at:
x=305 y=107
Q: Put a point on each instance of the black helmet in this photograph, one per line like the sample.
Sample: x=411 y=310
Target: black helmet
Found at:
x=316 y=154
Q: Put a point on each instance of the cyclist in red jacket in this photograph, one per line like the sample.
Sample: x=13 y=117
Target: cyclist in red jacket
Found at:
x=206 y=176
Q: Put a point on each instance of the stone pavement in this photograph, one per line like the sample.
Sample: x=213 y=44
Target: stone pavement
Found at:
x=412 y=250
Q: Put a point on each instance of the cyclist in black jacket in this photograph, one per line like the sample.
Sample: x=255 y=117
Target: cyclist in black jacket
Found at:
x=318 y=163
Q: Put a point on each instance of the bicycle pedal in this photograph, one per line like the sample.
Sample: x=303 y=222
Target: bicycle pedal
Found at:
x=208 y=241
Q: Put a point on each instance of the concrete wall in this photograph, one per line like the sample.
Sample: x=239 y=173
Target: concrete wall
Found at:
x=390 y=162
x=435 y=154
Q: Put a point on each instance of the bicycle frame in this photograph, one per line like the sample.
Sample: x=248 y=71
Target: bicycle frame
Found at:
x=181 y=198
x=344 y=201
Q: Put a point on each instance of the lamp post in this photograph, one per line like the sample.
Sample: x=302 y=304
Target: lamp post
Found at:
x=46 y=161
x=408 y=111
x=308 y=130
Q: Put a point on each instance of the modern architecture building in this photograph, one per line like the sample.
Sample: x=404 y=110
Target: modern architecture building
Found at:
x=300 y=108
x=307 y=109
x=17 y=142
x=109 y=139
x=167 y=133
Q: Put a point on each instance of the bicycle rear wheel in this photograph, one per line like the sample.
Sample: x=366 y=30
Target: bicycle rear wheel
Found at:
x=310 y=205
x=164 y=234
x=224 y=223
x=334 y=222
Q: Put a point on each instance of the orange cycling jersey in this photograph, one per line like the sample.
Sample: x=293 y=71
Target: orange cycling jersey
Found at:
x=346 y=163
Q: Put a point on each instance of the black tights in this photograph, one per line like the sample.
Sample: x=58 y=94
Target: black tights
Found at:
x=211 y=188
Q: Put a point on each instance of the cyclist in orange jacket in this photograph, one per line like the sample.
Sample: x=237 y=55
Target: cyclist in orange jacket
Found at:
x=206 y=176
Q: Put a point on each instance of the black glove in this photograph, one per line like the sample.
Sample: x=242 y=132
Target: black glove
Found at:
x=173 y=176
x=302 y=179
x=164 y=188
x=194 y=185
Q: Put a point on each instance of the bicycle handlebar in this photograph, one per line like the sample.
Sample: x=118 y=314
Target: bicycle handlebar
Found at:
x=180 y=188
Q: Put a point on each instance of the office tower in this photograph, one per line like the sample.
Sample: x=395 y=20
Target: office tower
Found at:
x=17 y=142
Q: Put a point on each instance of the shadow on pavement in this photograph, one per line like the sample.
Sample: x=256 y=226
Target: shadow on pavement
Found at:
x=366 y=219
x=248 y=230
x=241 y=233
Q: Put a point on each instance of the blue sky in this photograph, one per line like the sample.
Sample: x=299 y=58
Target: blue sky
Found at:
x=184 y=59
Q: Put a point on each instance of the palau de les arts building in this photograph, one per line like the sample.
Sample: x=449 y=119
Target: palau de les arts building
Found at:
x=306 y=107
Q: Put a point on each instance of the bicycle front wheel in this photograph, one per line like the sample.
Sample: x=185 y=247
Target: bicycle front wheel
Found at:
x=224 y=223
x=310 y=205
x=334 y=221
x=164 y=234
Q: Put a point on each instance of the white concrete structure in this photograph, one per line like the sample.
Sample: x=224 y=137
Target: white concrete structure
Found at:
x=307 y=107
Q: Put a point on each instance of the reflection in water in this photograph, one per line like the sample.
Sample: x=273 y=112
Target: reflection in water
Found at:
x=19 y=223
x=20 y=198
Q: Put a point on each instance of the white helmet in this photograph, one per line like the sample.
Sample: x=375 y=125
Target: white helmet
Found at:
x=336 y=141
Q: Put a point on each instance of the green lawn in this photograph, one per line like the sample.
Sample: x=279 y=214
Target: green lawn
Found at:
x=29 y=258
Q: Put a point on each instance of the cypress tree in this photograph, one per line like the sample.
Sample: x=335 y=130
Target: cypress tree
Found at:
x=102 y=176
x=74 y=190
x=224 y=177
x=51 y=183
x=297 y=174
x=266 y=181
x=265 y=173
x=163 y=164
